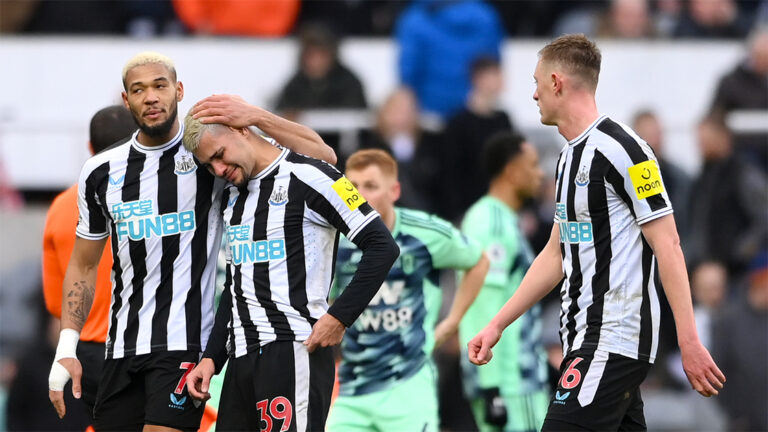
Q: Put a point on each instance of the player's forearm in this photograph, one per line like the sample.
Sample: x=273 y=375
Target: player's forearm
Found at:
x=468 y=289
x=78 y=291
x=543 y=275
x=379 y=253
x=674 y=279
x=216 y=348
x=295 y=136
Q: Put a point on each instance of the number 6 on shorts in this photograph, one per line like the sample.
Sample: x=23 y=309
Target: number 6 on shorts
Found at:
x=571 y=377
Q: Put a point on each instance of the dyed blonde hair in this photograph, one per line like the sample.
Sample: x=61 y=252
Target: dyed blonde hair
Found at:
x=577 y=54
x=149 y=57
x=194 y=130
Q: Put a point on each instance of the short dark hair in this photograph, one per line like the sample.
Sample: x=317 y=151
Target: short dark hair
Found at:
x=482 y=64
x=110 y=125
x=499 y=150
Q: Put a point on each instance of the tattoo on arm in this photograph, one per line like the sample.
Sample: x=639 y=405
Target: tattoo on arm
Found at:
x=79 y=301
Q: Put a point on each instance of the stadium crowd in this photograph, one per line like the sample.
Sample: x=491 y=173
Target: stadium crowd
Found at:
x=434 y=125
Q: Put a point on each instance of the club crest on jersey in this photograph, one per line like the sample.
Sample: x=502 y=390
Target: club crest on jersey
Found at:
x=185 y=165
x=582 y=177
x=279 y=196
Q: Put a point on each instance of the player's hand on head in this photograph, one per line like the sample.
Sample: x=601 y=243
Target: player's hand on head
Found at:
x=702 y=372
x=61 y=372
x=327 y=331
x=479 y=348
x=231 y=110
x=199 y=380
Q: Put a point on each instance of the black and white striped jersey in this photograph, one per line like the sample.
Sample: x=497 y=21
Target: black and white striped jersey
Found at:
x=162 y=212
x=608 y=185
x=282 y=231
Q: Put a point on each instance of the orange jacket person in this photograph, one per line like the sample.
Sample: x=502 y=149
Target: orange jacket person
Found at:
x=108 y=126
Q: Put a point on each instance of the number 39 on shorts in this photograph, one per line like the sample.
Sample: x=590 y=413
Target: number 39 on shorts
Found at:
x=571 y=377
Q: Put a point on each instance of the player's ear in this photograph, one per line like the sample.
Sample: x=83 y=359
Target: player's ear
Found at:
x=179 y=91
x=396 y=190
x=125 y=100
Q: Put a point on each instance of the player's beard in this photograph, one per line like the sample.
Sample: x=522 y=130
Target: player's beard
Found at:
x=163 y=128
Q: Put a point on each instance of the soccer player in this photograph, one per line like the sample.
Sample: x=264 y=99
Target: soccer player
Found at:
x=108 y=126
x=613 y=226
x=161 y=214
x=283 y=213
x=386 y=376
x=511 y=393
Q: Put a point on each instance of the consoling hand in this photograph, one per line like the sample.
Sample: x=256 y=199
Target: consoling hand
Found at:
x=230 y=110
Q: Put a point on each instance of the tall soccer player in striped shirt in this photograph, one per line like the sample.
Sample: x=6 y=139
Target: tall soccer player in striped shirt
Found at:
x=613 y=226
x=162 y=215
x=283 y=213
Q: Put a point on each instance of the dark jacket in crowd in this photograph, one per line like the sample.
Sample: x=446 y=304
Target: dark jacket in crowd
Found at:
x=340 y=88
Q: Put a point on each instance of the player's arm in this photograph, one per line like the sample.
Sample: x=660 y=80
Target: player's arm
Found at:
x=233 y=111
x=702 y=372
x=379 y=253
x=215 y=355
x=543 y=275
x=78 y=288
x=466 y=293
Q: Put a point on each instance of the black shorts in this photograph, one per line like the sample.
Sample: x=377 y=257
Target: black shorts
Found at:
x=278 y=388
x=91 y=356
x=147 y=389
x=598 y=391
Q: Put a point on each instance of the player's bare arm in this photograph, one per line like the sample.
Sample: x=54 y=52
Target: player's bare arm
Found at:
x=199 y=380
x=703 y=374
x=465 y=295
x=233 y=111
x=78 y=291
x=543 y=275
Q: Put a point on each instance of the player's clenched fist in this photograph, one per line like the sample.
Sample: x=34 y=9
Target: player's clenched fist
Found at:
x=480 y=346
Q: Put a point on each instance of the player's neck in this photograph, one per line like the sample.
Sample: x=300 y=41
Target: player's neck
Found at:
x=505 y=193
x=263 y=153
x=578 y=114
x=388 y=216
x=149 y=141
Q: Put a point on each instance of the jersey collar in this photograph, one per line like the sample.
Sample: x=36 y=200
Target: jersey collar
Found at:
x=271 y=166
x=175 y=140
x=588 y=130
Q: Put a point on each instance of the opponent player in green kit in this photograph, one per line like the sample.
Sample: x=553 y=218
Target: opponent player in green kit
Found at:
x=387 y=379
x=511 y=394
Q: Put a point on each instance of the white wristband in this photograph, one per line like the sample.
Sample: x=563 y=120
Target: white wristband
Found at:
x=67 y=347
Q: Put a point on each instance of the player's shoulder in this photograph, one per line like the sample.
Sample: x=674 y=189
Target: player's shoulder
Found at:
x=620 y=144
x=310 y=168
x=421 y=221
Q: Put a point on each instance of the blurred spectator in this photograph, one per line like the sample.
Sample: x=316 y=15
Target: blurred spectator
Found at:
x=439 y=40
x=534 y=18
x=678 y=183
x=321 y=80
x=713 y=19
x=148 y=18
x=626 y=19
x=77 y=16
x=15 y=14
x=354 y=17
x=10 y=198
x=727 y=202
x=28 y=407
x=740 y=346
x=398 y=132
x=465 y=134
x=709 y=287
x=666 y=14
x=746 y=88
x=270 y=18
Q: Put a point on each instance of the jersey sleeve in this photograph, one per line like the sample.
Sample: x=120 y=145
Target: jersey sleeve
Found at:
x=645 y=187
x=337 y=202
x=92 y=221
x=449 y=247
